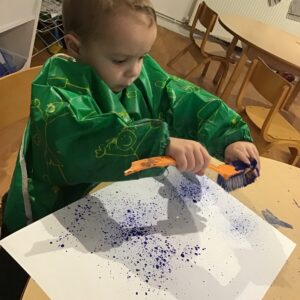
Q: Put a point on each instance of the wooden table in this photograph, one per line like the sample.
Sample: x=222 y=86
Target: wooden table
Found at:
x=277 y=47
x=277 y=190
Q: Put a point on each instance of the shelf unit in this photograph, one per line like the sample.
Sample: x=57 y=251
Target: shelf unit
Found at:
x=18 y=23
x=50 y=27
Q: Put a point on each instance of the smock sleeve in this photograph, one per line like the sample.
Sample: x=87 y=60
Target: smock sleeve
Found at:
x=193 y=113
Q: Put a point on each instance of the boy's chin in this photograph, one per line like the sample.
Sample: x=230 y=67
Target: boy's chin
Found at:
x=118 y=89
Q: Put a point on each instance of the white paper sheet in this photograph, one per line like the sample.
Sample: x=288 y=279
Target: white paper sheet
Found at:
x=164 y=238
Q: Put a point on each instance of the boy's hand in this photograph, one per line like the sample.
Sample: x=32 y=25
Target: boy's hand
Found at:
x=243 y=151
x=189 y=155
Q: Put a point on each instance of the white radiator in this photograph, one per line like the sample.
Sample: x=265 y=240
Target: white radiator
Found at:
x=256 y=9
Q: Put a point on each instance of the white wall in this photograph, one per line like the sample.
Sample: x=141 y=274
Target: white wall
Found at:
x=259 y=10
x=177 y=9
x=181 y=10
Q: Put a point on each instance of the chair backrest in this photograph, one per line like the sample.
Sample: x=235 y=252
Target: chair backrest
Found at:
x=207 y=18
x=273 y=87
x=15 y=94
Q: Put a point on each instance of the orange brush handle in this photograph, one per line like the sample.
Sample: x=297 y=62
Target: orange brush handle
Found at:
x=148 y=163
x=224 y=170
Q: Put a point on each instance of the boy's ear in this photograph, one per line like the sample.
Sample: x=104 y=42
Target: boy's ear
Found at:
x=73 y=44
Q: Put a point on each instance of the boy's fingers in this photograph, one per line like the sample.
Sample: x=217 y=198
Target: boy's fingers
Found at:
x=257 y=158
x=256 y=151
x=198 y=161
x=243 y=156
x=253 y=153
x=191 y=161
x=207 y=158
x=200 y=173
x=205 y=161
x=181 y=162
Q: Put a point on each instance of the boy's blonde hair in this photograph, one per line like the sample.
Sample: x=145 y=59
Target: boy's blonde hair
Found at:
x=84 y=17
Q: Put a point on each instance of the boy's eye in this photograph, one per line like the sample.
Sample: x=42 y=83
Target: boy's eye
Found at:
x=124 y=60
x=119 y=61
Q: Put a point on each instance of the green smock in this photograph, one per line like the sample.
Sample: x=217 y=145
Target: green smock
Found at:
x=80 y=133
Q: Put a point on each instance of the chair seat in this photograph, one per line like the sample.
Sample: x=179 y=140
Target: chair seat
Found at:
x=10 y=140
x=280 y=127
x=274 y=64
x=212 y=48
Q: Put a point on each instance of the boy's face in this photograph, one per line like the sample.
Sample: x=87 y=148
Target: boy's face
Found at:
x=117 y=55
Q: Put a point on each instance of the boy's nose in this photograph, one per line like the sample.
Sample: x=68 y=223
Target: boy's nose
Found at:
x=133 y=71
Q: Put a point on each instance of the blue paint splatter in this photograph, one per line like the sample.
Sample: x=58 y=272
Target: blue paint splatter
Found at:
x=156 y=254
x=190 y=191
x=241 y=224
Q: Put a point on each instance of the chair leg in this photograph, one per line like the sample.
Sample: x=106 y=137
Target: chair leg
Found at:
x=292 y=96
x=223 y=76
x=218 y=74
x=205 y=69
x=295 y=156
x=294 y=150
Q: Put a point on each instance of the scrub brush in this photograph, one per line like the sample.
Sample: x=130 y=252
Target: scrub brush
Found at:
x=247 y=175
x=230 y=176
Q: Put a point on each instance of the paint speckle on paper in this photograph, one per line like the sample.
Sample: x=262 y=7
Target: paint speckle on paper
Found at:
x=153 y=255
x=199 y=193
x=142 y=236
x=242 y=225
x=191 y=191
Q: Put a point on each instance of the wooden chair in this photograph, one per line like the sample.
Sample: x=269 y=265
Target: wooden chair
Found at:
x=278 y=66
x=203 y=50
x=275 y=129
x=15 y=94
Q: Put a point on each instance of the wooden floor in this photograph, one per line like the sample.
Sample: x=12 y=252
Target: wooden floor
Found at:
x=167 y=45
